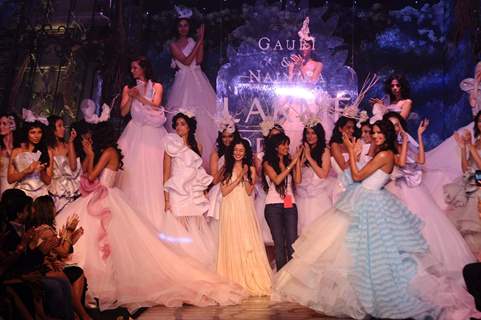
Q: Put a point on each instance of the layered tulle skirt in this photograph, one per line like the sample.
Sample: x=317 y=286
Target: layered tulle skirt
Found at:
x=367 y=256
x=127 y=263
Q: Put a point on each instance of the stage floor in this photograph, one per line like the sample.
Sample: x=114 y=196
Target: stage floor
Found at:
x=251 y=309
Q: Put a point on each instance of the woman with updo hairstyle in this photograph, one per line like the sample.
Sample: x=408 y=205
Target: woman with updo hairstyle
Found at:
x=142 y=142
x=185 y=182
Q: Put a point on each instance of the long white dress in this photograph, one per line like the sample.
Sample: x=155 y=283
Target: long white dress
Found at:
x=260 y=205
x=192 y=90
x=445 y=242
x=126 y=263
x=367 y=256
x=141 y=142
x=188 y=204
x=312 y=198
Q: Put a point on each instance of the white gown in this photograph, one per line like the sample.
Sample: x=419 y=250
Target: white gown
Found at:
x=445 y=242
x=312 y=198
x=367 y=256
x=260 y=205
x=188 y=204
x=192 y=90
x=141 y=178
x=125 y=262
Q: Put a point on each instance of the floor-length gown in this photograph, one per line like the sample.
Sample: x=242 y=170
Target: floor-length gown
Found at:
x=241 y=255
x=125 y=262
x=31 y=184
x=463 y=196
x=141 y=142
x=192 y=91
x=313 y=197
x=186 y=186
x=65 y=184
x=367 y=256
x=445 y=242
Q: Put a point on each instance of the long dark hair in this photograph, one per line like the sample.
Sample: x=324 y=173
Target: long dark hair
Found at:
x=230 y=161
x=318 y=150
x=192 y=123
x=396 y=115
x=336 y=136
x=220 y=147
x=387 y=129
x=15 y=133
x=103 y=136
x=272 y=158
x=475 y=129
x=42 y=145
x=44 y=209
x=14 y=201
x=403 y=82
x=51 y=138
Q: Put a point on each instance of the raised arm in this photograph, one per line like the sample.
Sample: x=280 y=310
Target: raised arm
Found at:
x=179 y=55
x=71 y=154
x=46 y=173
x=462 y=150
x=323 y=170
x=214 y=167
x=421 y=158
x=406 y=106
x=156 y=99
x=380 y=160
x=200 y=51
x=126 y=101
x=277 y=179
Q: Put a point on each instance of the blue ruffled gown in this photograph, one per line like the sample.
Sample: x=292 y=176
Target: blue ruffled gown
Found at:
x=367 y=256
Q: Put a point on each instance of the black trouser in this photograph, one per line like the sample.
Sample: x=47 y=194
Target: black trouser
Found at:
x=283 y=224
x=472 y=277
x=58 y=298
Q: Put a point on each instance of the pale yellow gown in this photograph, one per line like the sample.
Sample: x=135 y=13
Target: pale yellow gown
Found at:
x=241 y=256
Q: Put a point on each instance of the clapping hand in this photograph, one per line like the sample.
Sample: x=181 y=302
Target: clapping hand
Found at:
x=374 y=101
x=72 y=222
x=201 y=32
x=459 y=140
x=87 y=147
x=348 y=143
x=134 y=92
x=297 y=59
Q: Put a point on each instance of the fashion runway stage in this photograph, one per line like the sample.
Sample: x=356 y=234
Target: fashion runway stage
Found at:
x=251 y=309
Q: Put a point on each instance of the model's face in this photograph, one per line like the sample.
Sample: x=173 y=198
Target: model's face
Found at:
x=59 y=129
x=396 y=124
x=366 y=134
x=395 y=88
x=377 y=136
x=239 y=152
x=283 y=149
x=311 y=137
x=306 y=50
x=136 y=70
x=5 y=126
x=183 y=28
x=34 y=135
x=181 y=127
x=348 y=129
x=227 y=138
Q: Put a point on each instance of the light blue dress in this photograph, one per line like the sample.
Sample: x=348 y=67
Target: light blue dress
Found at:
x=366 y=256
